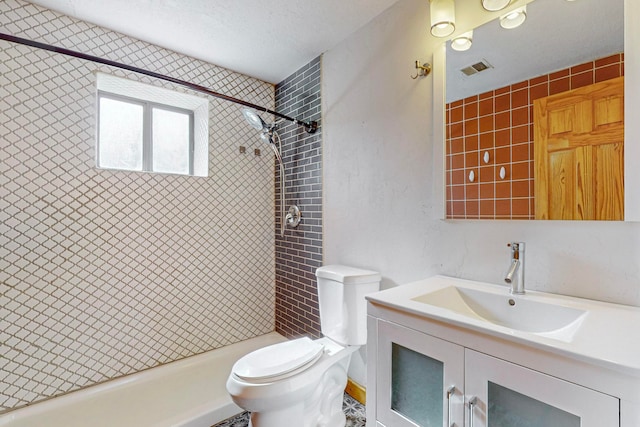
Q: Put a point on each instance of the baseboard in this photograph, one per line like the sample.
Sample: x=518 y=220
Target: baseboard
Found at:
x=356 y=391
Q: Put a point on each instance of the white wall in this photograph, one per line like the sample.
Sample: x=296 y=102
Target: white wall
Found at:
x=381 y=166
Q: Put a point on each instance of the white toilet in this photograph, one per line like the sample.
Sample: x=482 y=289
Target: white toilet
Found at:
x=299 y=383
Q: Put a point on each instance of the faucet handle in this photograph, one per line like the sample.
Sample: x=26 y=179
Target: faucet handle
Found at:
x=516 y=246
x=515 y=275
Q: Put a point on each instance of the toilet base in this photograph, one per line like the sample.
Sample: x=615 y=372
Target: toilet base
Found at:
x=322 y=408
x=270 y=419
x=282 y=417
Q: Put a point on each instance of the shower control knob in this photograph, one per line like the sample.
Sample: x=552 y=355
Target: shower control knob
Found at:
x=293 y=216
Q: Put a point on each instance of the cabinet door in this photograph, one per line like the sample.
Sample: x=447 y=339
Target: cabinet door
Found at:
x=419 y=379
x=508 y=395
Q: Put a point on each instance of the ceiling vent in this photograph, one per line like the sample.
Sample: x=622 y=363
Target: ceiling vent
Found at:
x=476 y=68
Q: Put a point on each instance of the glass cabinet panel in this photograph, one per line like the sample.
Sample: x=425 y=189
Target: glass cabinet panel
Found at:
x=510 y=408
x=417 y=386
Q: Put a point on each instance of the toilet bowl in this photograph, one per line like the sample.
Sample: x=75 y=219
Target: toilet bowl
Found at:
x=310 y=394
x=300 y=383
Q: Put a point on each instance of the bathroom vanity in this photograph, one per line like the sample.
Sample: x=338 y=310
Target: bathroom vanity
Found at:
x=452 y=352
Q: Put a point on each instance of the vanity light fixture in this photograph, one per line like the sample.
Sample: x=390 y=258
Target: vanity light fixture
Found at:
x=514 y=19
x=443 y=17
x=495 y=5
x=462 y=42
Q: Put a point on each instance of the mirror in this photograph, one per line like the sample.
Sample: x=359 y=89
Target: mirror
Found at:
x=491 y=119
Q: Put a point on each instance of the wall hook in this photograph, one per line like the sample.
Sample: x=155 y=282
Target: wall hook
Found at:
x=422 y=70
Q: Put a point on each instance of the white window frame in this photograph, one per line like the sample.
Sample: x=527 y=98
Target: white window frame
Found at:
x=149 y=97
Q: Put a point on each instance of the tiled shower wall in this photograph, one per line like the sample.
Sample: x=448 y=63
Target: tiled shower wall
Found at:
x=500 y=123
x=105 y=273
x=299 y=252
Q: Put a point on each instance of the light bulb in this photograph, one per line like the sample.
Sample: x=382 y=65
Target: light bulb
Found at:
x=495 y=5
x=443 y=20
x=462 y=42
x=514 y=18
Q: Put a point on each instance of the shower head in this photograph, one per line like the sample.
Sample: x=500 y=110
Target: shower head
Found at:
x=266 y=131
x=254 y=120
x=269 y=135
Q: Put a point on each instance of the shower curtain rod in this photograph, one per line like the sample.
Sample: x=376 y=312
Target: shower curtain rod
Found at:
x=310 y=127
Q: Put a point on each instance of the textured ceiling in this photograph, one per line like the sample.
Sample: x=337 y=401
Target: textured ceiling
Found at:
x=267 y=39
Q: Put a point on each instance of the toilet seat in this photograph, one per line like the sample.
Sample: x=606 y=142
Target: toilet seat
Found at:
x=278 y=361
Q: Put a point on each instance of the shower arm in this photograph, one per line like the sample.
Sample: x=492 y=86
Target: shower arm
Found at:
x=310 y=127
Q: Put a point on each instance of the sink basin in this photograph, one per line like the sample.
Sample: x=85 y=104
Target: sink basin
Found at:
x=518 y=313
x=464 y=310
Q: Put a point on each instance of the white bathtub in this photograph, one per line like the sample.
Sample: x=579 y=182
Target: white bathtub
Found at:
x=186 y=393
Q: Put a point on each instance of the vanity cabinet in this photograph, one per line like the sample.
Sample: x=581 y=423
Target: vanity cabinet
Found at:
x=509 y=395
x=418 y=377
x=423 y=380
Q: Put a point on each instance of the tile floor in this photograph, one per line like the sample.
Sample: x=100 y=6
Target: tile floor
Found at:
x=353 y=409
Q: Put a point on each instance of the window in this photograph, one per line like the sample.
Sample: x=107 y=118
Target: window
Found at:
x=143 y=136
x=150 y=129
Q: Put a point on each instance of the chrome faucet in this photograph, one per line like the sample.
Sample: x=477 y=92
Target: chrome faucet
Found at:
x=515 y=274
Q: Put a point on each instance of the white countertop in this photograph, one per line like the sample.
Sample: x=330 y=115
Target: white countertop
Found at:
x=608 y=335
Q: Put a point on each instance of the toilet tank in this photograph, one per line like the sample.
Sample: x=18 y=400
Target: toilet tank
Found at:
x=343 y=308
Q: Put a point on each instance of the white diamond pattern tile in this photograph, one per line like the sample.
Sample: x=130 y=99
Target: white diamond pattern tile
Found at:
x=105 y=273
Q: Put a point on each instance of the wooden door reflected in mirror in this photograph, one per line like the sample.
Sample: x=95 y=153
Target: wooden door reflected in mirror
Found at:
x=579 y=153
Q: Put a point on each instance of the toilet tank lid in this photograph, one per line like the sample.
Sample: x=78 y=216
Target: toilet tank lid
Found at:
x=348 y=275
